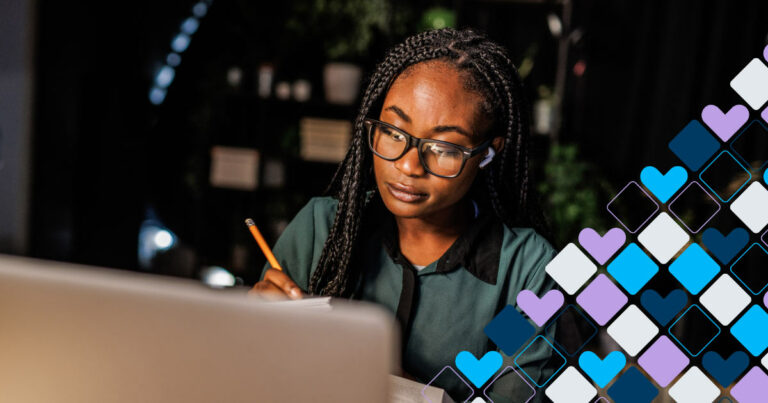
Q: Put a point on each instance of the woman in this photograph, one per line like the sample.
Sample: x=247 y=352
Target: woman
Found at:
x=430 y=213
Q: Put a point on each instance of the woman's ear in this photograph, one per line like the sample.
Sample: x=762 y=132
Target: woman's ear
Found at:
x=488 y=157
x=496 y=145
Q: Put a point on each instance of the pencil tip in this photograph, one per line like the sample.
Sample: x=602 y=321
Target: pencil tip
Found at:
x=249 y=222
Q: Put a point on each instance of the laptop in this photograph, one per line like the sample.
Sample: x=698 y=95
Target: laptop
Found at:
x=72 y=333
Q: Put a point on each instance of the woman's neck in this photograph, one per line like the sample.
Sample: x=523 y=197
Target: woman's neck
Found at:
x=424 y=239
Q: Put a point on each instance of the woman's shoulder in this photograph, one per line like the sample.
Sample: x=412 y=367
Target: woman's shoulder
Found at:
x=527 y=239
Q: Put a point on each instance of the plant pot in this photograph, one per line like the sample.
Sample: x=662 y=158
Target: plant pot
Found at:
x=342 y=82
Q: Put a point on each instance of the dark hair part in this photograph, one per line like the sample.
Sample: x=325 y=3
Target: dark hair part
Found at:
x=491 y=73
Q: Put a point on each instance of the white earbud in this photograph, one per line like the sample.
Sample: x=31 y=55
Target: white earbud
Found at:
x=488 y=157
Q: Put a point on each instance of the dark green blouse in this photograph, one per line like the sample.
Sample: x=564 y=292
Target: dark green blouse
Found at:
x=444 y=307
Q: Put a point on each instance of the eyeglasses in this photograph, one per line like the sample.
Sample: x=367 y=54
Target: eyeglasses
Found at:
x=440 y=158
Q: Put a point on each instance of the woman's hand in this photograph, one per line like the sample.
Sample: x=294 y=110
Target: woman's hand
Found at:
x=277 y=285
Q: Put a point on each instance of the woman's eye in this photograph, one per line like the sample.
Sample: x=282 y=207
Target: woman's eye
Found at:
x=442 y=151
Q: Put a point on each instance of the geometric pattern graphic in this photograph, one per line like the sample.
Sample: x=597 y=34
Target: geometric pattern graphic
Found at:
x=707 y=339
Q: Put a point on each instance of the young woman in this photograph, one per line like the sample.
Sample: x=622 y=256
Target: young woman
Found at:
x=430 y=213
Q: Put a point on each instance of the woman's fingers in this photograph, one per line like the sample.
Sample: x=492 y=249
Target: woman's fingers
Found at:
x=277 y=281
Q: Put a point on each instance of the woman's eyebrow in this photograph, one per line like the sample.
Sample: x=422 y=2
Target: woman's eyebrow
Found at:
x=399 y=112
x=436 y=129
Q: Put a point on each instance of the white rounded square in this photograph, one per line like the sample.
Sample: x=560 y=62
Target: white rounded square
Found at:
x=571 y=268
x=694 y=387
x=764 y=361
x=752 y=207
x=663 y=237
x=632 y=330
x=725 y=299
x=571 y=387
x=752 y=83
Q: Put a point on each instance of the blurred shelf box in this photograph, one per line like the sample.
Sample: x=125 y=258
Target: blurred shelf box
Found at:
x=324 y=140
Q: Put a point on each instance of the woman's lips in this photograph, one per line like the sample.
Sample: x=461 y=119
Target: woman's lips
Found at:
x=405 y=193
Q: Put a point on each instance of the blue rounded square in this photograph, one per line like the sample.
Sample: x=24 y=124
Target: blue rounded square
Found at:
x=633 y=268
x=694 y=145
x=694 y=268
x=509 y=330
x=751 y=329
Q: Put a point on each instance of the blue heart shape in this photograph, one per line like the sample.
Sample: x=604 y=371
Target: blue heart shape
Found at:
x=663 y=186
x=478 y=371
x=664 y=309
x=602 y=371
x=725 y=248
x=725 y=371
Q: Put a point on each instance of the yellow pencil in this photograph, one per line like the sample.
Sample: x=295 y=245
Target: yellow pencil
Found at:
x=262 y=244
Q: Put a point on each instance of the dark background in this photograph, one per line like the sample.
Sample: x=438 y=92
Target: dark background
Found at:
x=103 y=159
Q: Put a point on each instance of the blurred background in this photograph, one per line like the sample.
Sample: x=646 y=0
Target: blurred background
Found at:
x=140 y=135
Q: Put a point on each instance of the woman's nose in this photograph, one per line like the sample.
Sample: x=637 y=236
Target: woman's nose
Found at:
x=409 y=163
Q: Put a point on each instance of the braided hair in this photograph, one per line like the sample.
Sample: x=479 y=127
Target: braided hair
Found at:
x=487 y=70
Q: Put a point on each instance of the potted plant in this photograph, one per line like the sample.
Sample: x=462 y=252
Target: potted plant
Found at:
x=346 y=29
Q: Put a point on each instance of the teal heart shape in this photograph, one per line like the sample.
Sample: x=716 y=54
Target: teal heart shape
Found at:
x=478 y=371
x=602 y=371
x=725 y=371
x=664 y=309
x=663 y=186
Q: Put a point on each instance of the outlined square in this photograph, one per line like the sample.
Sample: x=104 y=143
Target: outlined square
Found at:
x=725 y=299
x=443 y=373
x=642 y=209
x=694 y=145
x=748 y=268
x=663 y=238
x=694 y=207
x=632 y=330
x=720 y=175
x=581 y=322
x=750 y=145
x=696 y=319
x=750 y=207
x=542 y=339
x=506 y=371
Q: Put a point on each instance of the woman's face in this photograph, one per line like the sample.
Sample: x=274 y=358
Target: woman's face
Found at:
x=430 y=102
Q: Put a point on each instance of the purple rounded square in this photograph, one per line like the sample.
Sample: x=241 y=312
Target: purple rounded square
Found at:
x=663 y=361
x=765 y=238
x=602 y=299
x=751 y=388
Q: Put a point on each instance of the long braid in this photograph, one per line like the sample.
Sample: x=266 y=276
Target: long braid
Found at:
x=490 y=72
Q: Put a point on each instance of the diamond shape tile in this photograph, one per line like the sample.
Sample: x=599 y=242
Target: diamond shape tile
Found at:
x=571 y=387
x=601 y=299
x=752 y=83
x=632 y=330
x=725 y=299
x=632 y=268
x=694 y=268
x=663 y=361
x=694 y=387
x=571 y=268
x=750 y=207
x=663 y=238
x=750 y=330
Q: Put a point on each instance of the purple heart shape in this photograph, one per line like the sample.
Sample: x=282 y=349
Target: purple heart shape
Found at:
x=602 y=247
x=540 y=310
x=725 y=125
